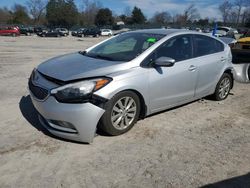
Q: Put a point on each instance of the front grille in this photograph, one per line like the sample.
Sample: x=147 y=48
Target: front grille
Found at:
x=38 y=92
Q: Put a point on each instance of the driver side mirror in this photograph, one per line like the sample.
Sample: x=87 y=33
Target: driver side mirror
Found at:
x=164 y=62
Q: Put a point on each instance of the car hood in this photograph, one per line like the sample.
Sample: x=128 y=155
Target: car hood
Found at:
x=77 y=66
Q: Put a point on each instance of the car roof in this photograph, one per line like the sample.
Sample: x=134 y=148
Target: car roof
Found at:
x=161 y=31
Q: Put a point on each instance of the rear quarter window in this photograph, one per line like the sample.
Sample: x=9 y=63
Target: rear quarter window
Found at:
x=206 y=45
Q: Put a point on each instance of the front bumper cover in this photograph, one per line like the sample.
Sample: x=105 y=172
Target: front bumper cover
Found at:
x=84 y=117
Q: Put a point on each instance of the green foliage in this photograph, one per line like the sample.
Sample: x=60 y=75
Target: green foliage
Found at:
x=61 y=13
x=5 y=15
x=104 y=17
x=20 y=15
x=137 y=16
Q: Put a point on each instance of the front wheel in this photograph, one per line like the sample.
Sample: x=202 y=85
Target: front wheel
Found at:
x=122 y=112
x=223 y=87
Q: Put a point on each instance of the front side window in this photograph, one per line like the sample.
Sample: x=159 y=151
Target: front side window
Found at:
x=206 y=45
x=178 y=48
x=124 y=47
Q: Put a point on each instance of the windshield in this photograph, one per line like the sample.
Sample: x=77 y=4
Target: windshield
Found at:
x=124 y=47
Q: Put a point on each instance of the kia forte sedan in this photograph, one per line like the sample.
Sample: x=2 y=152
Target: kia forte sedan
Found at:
x=114 y=83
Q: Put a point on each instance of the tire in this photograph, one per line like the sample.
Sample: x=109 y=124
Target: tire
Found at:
x=116 y=121
x=43 y=35
x=14 y=35
x=223 y=87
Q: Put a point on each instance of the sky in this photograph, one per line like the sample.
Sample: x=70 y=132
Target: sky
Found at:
x=207 y=8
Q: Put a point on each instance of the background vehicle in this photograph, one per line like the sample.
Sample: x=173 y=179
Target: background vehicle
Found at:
x=94 y=32
x=50 y=33
x=9 y=31
x=223 y=31
x=106 y=32
x=241 y=58
x=26 y=30
x=128 y=77
x=78 y=31
x=38 y=30
x=63 y=30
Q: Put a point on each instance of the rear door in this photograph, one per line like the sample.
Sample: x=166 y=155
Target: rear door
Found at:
x=210 y=59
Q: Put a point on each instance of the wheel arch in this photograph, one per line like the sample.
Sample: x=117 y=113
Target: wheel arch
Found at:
x=230 y=72
x=143 y=106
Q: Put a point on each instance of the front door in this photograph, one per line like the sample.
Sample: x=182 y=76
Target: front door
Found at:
x=173 y=85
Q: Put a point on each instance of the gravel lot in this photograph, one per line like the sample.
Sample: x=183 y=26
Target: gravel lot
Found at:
x=196 y=145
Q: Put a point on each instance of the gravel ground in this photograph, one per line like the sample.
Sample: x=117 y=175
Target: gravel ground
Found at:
x=201 y=144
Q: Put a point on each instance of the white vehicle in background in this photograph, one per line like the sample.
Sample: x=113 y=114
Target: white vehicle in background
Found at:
x=223 y=31
x=64 y=31
x=106 y=32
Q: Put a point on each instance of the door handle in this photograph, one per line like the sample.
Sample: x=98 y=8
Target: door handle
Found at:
x=222 y=59
x=192 y=68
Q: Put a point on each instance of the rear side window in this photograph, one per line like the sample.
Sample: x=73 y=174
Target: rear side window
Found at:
x=206 y=45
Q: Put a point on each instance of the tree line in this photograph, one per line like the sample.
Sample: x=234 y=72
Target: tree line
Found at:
x=64 y=13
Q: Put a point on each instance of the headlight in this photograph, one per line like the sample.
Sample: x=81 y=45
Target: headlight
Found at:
x=79 y=91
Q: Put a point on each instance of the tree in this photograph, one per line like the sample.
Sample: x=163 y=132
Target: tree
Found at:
x=161 y=18
x=190 y=14
x=71 y=16
x=61 y=13
x=127 y=11
x=137 y=16
x=20 y=15
x=89 y=11
x=5 y=15
x=225 y=9
x=36 y=9
x=239 y=4
x=203 y=22
x=104 y=17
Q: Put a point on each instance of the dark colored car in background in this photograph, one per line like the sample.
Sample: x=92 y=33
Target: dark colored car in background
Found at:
x=26 y=30
x=50 y=33
x=38 y=30
x=78 y=31
x=9 y=31
x=94 y=32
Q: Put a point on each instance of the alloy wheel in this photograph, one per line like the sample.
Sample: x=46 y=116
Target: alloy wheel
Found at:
x=224 y=88
x=123 y=113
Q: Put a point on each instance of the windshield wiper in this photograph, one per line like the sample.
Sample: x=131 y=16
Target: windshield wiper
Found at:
x=82 y=52
x=103 y=57
x=98 y=56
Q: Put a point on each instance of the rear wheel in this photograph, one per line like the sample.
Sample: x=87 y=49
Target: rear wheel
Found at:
x=122 y=112
x=223 y=87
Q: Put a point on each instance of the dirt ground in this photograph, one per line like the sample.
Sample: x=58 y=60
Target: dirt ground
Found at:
x=201 y=144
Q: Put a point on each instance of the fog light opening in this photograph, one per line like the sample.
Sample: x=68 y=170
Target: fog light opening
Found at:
x=62 y=125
